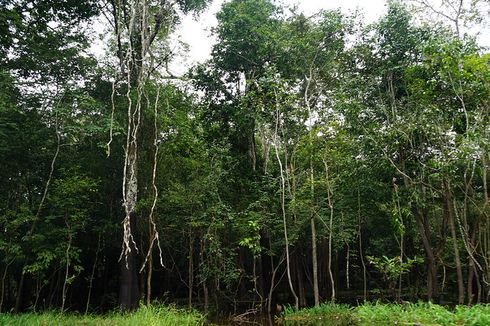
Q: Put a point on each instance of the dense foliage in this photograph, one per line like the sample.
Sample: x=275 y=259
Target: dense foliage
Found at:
x=309 y=159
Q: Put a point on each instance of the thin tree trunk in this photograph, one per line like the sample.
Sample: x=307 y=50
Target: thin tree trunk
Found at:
x=471 y=276
x=448 y=208
x=361 y=254
x=67 y=267
x=330 y=228
x=485 y=182
x=190 y=268
x=347 y=266
x=203 y=281
x=92 y=274
x=148 y=279
x=484 y=234
x=299 y=276
x=266 y=270
x=316 y=293
x=256 y=285
x=206 y=296
x=283 y=209
x=472 y=267
x=285 y=230
x=273 y=279
x=314 y=255
x=54 y=288
x=4 y=276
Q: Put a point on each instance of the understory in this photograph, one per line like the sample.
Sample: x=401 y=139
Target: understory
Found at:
x=145 y=315
x=389 y=314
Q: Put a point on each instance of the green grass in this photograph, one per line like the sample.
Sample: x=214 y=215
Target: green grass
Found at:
x=426 y=314
x=146 y=315
x=333 y=314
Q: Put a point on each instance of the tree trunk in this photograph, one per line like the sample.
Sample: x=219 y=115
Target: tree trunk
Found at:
x=92 y=274
x=2 y=291
x=298 y=268
x=206 y=296
x=448 y=209
x=271 y=299
x=316 y=293
x=314 y=254
x=190 y=271
x=361 y=254
x=129 y=294
x=20 y=294
x=347 y=266
x=471 y=275
x=283 y=209
x=67 y=266
x=472 y=269
x=266 y=270
x=432 y=283
x=149 y=276
x=330 y=228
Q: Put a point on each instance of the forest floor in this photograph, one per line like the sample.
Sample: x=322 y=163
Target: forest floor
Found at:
x=423 y=314
x=146 y=315
x=389 y=314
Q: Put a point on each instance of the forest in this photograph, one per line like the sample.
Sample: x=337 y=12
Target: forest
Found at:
x=310 y=159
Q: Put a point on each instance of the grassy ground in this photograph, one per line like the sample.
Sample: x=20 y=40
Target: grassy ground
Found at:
x=330 y=314
x=426 y=314
x=151 y=315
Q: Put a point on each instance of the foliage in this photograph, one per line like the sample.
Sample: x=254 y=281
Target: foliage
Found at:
x=393 y=268
x=146 y=315
x=422 y=313
x=368 y=144
x=392 y=314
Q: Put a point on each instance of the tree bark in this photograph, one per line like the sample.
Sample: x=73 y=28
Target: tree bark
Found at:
x=330 y=229
x=129 y=293
x=316 y=293
x=2 y=291
x=266 y=270
x=283 y=209
x=298 y=269
x=448 y=210
x=314 y=255
x=92 y=275
x=20 y=294
x=190 y=271
x=432 y=282
x=361 y=254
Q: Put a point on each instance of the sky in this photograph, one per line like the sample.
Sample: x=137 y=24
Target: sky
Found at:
x=197 y=33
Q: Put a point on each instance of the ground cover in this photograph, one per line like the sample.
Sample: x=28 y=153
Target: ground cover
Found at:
x=146 y=315
x=391 y=314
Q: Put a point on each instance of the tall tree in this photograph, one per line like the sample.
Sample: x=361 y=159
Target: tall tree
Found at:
x=140 y=27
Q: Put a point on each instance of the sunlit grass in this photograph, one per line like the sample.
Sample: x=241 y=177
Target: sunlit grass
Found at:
x=146 y=315
x=394 y=314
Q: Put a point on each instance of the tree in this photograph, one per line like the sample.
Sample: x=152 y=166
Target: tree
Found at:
x=140 y=27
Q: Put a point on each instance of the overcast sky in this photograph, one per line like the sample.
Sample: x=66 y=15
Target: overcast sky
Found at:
x=197 y=33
